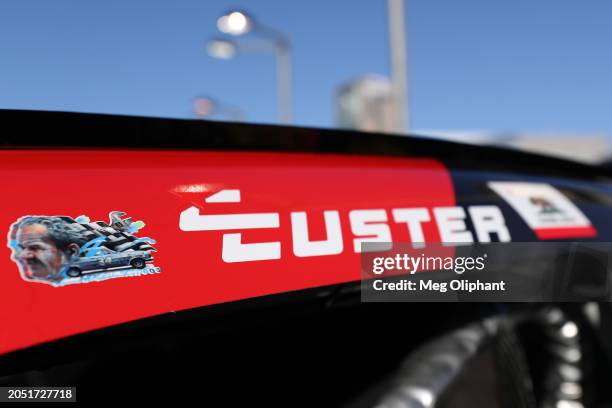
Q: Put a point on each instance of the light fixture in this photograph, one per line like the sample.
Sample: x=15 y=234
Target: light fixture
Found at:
x=223 y=49
x=235 y=23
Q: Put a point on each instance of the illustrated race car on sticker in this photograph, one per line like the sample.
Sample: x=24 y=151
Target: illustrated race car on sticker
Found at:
x=109 y=260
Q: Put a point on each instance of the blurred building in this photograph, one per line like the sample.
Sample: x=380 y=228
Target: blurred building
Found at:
x=586 y=148
x=365 y=103
x=592 y=149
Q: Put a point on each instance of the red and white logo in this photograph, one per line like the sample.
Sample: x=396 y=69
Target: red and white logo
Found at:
x=366 y=225
x=545 y=209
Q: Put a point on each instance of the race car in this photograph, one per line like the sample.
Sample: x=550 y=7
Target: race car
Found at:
x=109 y=260
x=259 y=298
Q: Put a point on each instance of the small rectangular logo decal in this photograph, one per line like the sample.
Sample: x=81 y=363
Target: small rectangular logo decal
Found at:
x=545 y=209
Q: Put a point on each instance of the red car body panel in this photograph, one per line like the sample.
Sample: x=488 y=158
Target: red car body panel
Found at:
x=156 y=187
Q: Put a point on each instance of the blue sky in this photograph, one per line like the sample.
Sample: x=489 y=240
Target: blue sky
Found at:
x=534 y=66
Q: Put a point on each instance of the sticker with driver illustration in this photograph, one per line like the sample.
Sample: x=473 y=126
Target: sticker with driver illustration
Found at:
x=61 y=250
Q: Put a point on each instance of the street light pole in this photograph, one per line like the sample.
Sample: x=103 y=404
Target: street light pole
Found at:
x=283 y=81
x=238 y=23
x=399 y=66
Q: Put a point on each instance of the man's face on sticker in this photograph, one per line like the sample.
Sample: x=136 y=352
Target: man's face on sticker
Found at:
x=38 y=254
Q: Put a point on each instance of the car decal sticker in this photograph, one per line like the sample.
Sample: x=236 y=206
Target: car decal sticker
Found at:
x=545 y=209
x=61 y=250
